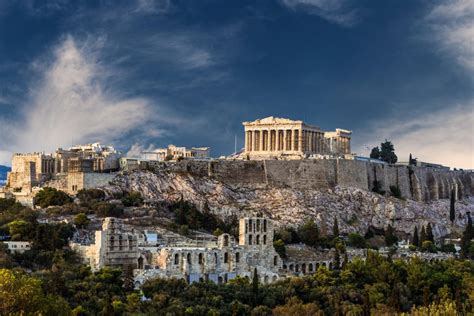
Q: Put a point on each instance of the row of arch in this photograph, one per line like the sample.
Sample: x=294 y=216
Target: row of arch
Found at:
x=256 y=225
x=304 y=267
x=201 y=259
x=258 y=240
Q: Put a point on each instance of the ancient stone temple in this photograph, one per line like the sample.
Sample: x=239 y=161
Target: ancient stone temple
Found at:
x=274 y=137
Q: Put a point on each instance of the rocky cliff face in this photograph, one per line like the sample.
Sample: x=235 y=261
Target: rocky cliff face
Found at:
x=355 y=208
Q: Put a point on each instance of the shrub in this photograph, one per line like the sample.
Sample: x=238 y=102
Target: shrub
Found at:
x=280 y=248
x=448 y=248
x=132 y=199
x=50 y=196
x=428 y=245
x=378 y=187
x=81 y=220
x=395 y=190
x=356 y=240
x=104 y=209
x=88 y=197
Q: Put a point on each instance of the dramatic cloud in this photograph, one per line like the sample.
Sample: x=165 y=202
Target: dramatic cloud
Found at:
x=73 y=103
x=444 y=137
x=335 y=11
x=452 y=26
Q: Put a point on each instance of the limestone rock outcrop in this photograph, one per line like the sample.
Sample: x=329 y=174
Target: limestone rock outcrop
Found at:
x=356 y=209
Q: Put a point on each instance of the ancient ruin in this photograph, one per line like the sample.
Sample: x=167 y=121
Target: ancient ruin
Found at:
x=217 y=260
x=273 y=137
x=174 y=153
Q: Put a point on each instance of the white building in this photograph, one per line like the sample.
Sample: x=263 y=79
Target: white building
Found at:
x=173 y=152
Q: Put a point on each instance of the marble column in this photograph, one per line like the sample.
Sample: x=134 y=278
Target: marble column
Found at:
x=260 y=147
x=255 y=140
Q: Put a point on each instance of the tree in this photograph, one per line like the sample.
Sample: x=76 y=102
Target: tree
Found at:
x=255 y=287
x=104 y=209
x=309 y=233
x=21 y=294
x=375 y=153
x=387 y=152
x=429 y=233
x=335 y=228
x=81 y=220
x=280 y=248
x=452 y=211
x=422 y=235
x=337 y=259
x=428 y=245
x=395 y=190
x=357 y=241
x=466 y=238
x=390 y=237
x=50 y=196
x=416 y=240
x=133 y=198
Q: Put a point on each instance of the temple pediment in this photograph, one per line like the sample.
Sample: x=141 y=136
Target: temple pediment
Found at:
x=273 y=120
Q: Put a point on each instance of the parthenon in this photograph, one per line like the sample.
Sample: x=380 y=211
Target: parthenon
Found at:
x=273 y=137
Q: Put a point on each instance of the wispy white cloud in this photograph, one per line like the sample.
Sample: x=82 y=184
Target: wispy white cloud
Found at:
x=183 y=50
x=335 y=11
x=73 y=103
x=153 y=6
x=444 y=136
x=451 y=25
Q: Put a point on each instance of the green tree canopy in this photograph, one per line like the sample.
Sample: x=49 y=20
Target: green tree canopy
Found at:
x=51 y=196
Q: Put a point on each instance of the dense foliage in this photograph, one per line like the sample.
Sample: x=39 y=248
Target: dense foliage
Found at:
x=50 y=280
x=385 y=153
x=376 y=285
x=187 y=216
x=51 y=196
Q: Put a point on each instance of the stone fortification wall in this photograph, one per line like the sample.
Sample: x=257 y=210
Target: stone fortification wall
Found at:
x=417 y=183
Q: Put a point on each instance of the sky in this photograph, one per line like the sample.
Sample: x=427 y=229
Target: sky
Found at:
x=142 y=74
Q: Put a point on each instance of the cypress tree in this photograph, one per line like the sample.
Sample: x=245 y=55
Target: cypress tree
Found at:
x=346 y=260
x=466 y=237
x=335 y=228
x=255 y=286
x=422 y=235
x=390 y=237
x=416 y=240
x=429 y=233
x=452 y=212
x=337 y=260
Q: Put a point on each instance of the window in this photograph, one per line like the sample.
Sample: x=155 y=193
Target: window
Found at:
x=258 y=240
x=264 y=239
x=176 y=259
x=258 y=225
x=250 y=239
x=226 y=240
x=226 y=257
x=264 y=225
x=275 y=260
x=188 y=257
x=201 y=259
x=237 y=257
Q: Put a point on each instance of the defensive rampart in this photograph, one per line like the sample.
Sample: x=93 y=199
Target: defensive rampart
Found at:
x=417 y=183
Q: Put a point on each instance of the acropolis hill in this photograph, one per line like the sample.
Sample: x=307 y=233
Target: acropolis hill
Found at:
x=288 y=170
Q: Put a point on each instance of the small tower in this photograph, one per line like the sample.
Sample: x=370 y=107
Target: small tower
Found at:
x=256 y=232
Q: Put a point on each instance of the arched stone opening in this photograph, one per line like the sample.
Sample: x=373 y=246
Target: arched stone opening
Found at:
x=176 y=258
